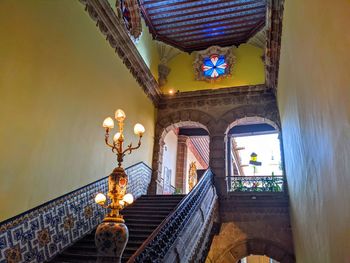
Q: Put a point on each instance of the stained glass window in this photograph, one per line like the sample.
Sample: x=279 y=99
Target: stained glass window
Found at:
x=214 y=66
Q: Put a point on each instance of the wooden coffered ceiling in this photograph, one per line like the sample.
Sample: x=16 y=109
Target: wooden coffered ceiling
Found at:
x=198 y=24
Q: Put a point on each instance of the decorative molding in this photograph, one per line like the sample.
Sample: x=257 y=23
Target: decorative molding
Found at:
x=41 y=233
x=166 y=53
x=163 y=72
x=227 y=52
x=273 y=44
x=259 y=39
x=131 y=14
x=113 y=28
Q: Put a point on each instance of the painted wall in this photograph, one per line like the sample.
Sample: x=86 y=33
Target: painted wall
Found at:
x=190 y=158
x=148 y=50
x=248 y=70
x=314 y=103
x=59 y=79
x=169 y=155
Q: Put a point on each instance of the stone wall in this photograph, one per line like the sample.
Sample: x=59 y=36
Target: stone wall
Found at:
x=253 y=223
x=214 y=110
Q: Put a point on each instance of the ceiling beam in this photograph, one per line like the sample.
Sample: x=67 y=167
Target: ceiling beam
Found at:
x=231 y=42
x=215 y=38
x=225 y=34
x=164 y=4
x=228 y=22
x=201 y=33
x=200 y=10
x=233 y=19
x=257 y=11
x=256 y=29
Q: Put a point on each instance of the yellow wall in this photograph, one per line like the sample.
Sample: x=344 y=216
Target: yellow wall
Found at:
x=314 y=103
x=147 y=48
x=59 y=78
x=248 y=70
x=145 y=45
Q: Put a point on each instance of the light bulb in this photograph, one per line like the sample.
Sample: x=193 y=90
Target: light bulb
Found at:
x=116 y=137
x=108 y=123
x=120 y=115
x=128 y=198
x=100 y=199
x=139 y=129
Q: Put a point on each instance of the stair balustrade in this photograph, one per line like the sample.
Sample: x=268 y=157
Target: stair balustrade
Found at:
x=184 y=235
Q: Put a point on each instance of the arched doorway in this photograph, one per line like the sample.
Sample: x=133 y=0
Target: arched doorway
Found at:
x=240 y=250
x=183 y=156
x=254 y=161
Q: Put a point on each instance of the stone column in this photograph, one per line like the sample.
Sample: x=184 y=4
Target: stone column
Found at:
x=157 y=166
x=217 y=157
x=181 y=162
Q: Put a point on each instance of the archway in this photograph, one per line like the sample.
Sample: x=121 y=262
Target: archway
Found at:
x=261 y=247
x=172 y=124
x=254 y=155
x=218 y=146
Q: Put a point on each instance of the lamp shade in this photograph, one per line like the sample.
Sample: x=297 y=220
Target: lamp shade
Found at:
x=128 y=198
x=139 y=129
x=116 y=137
x=108 y=123
x=100 y=199
x=120 y=115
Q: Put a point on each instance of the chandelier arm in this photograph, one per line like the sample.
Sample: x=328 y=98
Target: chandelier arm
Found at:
x=130 y=148
x=107 y=143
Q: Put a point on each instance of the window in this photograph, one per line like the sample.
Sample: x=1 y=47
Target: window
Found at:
x=214 y=66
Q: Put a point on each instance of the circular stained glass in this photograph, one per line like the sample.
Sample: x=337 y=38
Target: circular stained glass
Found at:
x=214 y=66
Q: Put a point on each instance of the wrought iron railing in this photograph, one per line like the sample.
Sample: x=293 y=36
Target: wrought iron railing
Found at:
x=161 y=240
x=255 y=183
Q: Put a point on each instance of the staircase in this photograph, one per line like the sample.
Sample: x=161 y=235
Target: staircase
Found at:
x=142 y=218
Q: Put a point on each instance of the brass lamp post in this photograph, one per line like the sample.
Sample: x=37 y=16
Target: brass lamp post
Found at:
x=112 y=234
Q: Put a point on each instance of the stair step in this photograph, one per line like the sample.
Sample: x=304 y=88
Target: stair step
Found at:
x=141 y=218
x=152 y=205
x=149 y=209
x=161 y=197
x=146 y=213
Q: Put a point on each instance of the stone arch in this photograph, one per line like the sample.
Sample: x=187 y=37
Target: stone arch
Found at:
x=268 y=112
x=218 y=151
x=244 y=248
x=170 y=122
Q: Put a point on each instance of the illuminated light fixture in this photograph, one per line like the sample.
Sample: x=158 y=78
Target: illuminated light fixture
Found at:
x=100 y=199
x=113 y=228
x=139 y=129
x=116 y=137
x=171 y=91
x=128 y=198
x=108 y=123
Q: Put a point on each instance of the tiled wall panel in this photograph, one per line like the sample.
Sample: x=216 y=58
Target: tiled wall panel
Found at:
x=41 y=233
